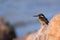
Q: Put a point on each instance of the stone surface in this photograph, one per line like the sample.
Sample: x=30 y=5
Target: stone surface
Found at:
x=51 y=32
x=54 y=28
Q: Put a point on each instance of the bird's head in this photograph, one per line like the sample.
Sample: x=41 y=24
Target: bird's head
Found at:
x=41 y=15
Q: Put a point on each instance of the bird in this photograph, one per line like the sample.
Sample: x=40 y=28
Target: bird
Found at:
x=42 y=19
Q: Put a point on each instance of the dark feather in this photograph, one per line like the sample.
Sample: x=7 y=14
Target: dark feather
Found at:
x=45 y=20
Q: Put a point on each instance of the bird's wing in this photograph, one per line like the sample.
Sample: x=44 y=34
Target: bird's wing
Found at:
x=45 y=19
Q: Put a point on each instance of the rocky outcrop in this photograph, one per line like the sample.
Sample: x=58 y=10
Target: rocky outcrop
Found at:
x=53 y=28
x=51 y=32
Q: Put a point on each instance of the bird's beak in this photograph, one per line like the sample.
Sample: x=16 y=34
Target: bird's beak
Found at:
x=35 y=16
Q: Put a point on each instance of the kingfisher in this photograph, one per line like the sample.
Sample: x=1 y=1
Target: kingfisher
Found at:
x=42 y=19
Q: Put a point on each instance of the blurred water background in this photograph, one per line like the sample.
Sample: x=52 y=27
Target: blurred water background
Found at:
x=24 y=10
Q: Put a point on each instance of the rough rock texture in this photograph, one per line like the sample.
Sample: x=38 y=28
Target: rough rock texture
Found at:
x=39 y=35
x=51 y=32
x=54 y=28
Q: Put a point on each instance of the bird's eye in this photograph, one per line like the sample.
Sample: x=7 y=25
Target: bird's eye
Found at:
x=41 y=16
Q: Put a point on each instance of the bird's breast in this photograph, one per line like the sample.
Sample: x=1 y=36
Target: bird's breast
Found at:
x=42 y=22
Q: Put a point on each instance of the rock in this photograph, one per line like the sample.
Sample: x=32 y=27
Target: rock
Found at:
x=39 y=35
x=53 y=28
x=51 y=32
